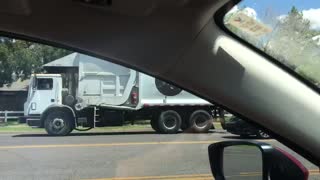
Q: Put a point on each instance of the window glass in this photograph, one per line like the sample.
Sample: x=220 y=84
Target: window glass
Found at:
x=288 y=30
x=119 y=123
x=44 y=84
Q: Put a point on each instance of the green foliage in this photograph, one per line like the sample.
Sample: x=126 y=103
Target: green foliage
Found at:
x=24 y=58
x=292 y=44
x=6 y=66
x=309 y=73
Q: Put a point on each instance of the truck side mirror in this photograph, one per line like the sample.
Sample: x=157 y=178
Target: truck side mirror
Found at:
x=253 y=160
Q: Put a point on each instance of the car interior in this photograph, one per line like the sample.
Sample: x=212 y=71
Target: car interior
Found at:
x=183 y=42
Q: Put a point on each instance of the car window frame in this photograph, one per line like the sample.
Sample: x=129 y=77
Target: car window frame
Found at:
x=219 y=21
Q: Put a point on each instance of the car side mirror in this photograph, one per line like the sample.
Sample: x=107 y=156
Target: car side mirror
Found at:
x=253 y=160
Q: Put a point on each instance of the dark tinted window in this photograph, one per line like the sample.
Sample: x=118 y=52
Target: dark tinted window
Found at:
x=44 y=84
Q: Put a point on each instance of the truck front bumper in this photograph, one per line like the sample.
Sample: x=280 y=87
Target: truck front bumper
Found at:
x=33 y=121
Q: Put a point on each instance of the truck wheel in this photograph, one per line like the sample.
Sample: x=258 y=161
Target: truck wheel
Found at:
x=58 y=123
x=200 y=121
x=169 y=122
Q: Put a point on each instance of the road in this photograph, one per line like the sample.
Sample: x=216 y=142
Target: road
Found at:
x=118 y=156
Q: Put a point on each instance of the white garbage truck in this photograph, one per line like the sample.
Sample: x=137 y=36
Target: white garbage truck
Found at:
x=82 y=92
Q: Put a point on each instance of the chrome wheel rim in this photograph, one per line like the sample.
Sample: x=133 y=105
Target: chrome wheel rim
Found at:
x=170 y=122
x=58 y=123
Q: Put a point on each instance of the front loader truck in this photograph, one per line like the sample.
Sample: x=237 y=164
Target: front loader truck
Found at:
x=79 y=92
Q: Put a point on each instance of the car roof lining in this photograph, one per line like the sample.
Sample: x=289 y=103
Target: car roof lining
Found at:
x=164 y=29
x=166 y=43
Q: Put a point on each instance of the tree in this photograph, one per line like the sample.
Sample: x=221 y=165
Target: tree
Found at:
x=6 y=66
x=24 y=58
x=291 y=43
x=49 y=53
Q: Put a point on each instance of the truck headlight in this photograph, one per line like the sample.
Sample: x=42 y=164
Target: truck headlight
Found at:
x=33 y=106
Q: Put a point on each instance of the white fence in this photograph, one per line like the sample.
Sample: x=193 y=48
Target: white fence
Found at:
x=5 y=115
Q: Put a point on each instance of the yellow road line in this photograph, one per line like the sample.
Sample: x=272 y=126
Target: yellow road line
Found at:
x=156 y=178
x=175 y=177
x=314 y=172
x=250 y=173
x=110 y=144
x=106 y=144
x=191 y=176
x=266 y=140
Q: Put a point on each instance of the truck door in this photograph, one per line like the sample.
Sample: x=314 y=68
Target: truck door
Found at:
x=45 y=93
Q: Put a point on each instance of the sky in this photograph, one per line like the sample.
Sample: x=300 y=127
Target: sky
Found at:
x=264 y=9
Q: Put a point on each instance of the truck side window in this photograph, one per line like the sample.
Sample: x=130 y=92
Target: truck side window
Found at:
x=44 y=84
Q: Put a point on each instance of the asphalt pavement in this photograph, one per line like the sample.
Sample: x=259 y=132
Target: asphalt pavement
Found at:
x=116 y=155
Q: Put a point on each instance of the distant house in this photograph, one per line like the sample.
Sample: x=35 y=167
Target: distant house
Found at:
x=13 y=97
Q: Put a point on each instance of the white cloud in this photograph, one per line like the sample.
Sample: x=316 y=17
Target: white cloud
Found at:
x=247 y=11
x=250 y=12
x=281 y=17
x=313 y=15
x=234 y=9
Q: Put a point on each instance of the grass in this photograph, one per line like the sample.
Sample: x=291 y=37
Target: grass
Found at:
x=15 y=127
x=217 y=125
x=12 y=126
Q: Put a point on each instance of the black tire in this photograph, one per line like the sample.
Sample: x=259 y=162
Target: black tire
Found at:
x=200 y=121
x=58 y=123
x=263 y=135
x=169 y=122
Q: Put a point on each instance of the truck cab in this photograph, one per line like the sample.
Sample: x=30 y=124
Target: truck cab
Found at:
x=44 y=91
